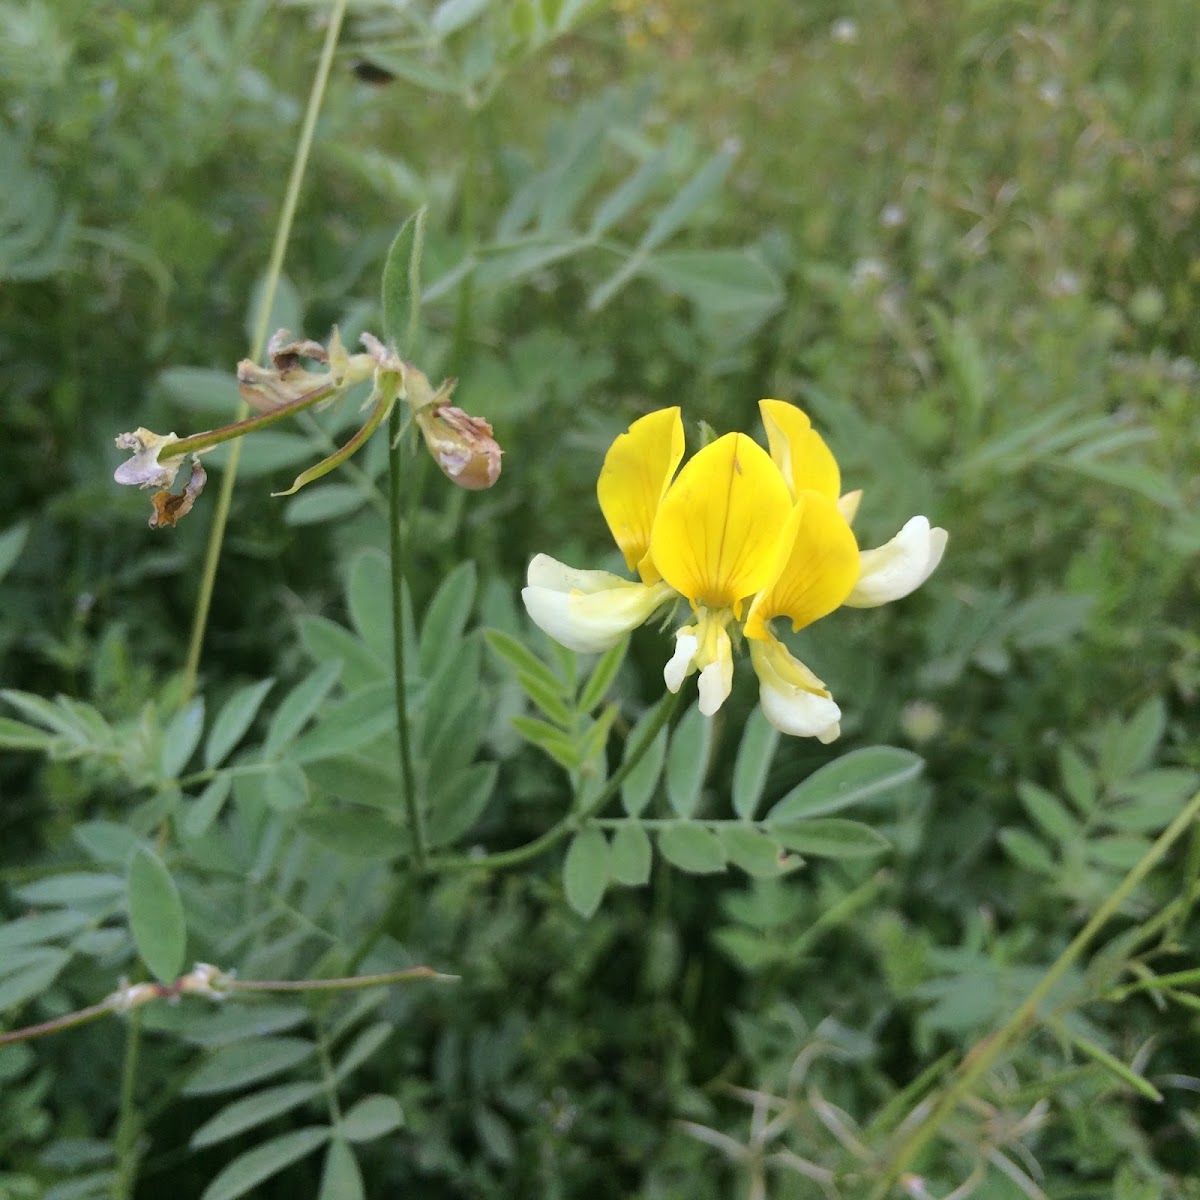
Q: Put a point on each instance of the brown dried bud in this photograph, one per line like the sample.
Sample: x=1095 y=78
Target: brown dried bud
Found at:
x=285 y=382
x=461 y=445
x=169 y=507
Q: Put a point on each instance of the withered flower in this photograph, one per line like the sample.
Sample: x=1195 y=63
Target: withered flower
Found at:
x=169 y=507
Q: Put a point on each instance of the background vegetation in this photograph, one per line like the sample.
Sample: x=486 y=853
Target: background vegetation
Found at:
x=966 y=237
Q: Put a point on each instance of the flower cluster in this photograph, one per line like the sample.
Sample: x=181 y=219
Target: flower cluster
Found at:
x=744 y=536
x=462 y=445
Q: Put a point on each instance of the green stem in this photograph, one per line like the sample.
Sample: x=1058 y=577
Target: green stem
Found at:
x=69 y=1021
x=396 y=517
x=385 y=979
x=274 y=269
x=572 y=821
x=125 y=1146
x=980 y=1059
x=226 y=433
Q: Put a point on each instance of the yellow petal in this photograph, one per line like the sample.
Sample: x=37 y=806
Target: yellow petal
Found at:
x=717 y=529
x=799 y=451
x=637 y=469
x=818 y=567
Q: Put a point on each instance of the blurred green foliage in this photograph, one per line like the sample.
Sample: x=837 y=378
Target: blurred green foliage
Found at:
x=965 y=237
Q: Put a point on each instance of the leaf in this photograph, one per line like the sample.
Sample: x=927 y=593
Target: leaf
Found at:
x=233 y=720
x=156 y=916
x=39 y=928
x=244 y=1063
x=369 y=599
x=629 y=194
x=523 y=660
x=667 y=221
x=586 y=871
x=688 y=198
x=106 y=842
x=687 y=761
x=77 y=887
x=1078 y=780
x=692 y=848
x=201 y=389
x=848 y=780
x=252 y=1110
x=341 y=1179
x=755 y=852
x=363 y=1046
x=327 y=642
x=630 y=854
x=200 y=813
x=727 y=282
x=33 y=979
x=299 y=705
x=446 y=618
x=234 y=1023
x=324 y=504
x=600 y=680
x=560 y=746
x=829 y=837
x=356 y=833
x=401 y=285
x=12 y=542
x=371 y=1118
x=16 y=735
x=266 y=452
x=1050 y=813
x=248 y=1170
x=639 y=785
x=451 y=15
x=459 y=802
x=753 y=763
x=361 y=717
x=1136 y=740
x=1120 y=851
x=1027 y=851
x=286 y=788
x=181 y=738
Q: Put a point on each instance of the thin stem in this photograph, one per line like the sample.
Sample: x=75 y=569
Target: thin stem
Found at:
x=980 y=1059
x=69 y=1021
x=416 y=821
x=348 y=983
x=572 y=821
x=127 y=1122
x=226 y=433
x=270 y=285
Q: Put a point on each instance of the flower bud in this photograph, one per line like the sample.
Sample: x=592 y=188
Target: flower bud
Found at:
x=461 y=445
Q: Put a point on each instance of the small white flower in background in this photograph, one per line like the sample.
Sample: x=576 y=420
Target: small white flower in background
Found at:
x=844 y=31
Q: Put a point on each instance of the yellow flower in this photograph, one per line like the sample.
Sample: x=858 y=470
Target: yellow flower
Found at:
x=744 y=536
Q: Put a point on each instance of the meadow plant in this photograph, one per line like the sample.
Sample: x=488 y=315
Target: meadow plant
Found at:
x=344 y=798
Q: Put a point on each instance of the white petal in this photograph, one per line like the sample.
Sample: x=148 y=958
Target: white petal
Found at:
x=680 y=665
x=716 y=682
x=587 y=611
x=547 y=572
x=793 y=699
x=892 y=571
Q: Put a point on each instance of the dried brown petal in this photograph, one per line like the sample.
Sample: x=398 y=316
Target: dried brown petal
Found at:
x=170 y=507
x=461 y=445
